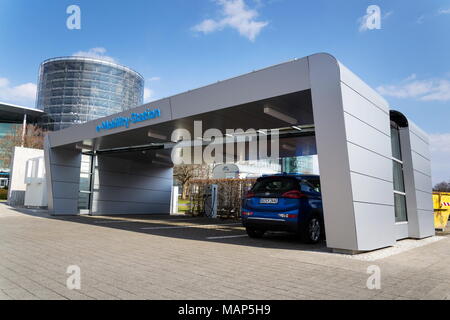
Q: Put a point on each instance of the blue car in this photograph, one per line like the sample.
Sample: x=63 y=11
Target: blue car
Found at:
x=285 y=202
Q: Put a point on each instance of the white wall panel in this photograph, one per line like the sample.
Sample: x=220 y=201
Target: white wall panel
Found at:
x=124 y=186
x=417 y=170
x=353 y=81
x=426 y=222
x=62 y=166
x=66 y=190
x=419 y=132
x=131 y=194
x=372 y=190
x=369 y=163
x=333 y=154
x=422 y=182
x=123 y=208
x=424 y=200
x=367 y=125
x=365 y=110
x=62 y=174
x=64 y=207
x=138 y=181
x=421 y=164
x=420 y=146
x=401 y=231
x=369 y=217
x=366 y=136
x=17 y=186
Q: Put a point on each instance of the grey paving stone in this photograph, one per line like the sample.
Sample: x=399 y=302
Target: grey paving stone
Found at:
x=120 y=261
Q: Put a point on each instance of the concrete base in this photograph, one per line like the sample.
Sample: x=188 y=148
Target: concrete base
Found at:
x=349 y=252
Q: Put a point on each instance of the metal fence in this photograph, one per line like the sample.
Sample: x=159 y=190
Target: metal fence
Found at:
x=230 y=195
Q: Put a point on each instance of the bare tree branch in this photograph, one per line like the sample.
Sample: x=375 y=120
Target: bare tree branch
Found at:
x=34 y=138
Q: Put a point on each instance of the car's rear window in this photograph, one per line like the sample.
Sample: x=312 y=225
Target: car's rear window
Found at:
x=314 y=182
x=275 y=185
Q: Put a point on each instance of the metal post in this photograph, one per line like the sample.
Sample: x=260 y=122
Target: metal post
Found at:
x=24 y=129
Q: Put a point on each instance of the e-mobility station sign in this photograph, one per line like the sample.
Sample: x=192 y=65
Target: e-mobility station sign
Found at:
x=127 y=121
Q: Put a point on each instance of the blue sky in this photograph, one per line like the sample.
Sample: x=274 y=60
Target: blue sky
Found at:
x=178 y=45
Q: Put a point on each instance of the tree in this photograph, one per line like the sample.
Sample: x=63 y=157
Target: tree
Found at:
x=442 y=187
x=185 y=173
x=34 y=138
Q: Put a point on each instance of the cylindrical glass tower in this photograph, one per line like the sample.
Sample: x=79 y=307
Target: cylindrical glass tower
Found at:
x=75 y=90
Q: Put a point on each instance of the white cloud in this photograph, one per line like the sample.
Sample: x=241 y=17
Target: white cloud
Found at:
x=154 y=79
x=421 y=19
x=411 y=77
x=149 y=95
x=236 y=15
x=96 y=53
x=440 y=12
x=388 y=14
x=424 y=90
x=440 y=155
x=23 y=94
x=444 y=11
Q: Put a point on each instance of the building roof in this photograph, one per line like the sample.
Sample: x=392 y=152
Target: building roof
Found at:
x=10 y=113
x=94 y=60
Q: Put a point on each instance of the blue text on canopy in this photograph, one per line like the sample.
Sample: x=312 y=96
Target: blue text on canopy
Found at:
x=126 y=121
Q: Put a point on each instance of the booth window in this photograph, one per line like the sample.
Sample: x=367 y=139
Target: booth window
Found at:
x=401 y=214
x=85 y=193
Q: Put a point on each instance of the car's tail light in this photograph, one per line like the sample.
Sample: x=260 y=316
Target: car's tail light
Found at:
x=250 y=195
x=293 y=194
x=247 y=213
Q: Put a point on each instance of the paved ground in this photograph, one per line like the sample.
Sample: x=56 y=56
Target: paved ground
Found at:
x=182 y=258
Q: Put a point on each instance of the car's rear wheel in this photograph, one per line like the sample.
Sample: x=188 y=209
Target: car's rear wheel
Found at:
x=312 y=231
x=254 y=233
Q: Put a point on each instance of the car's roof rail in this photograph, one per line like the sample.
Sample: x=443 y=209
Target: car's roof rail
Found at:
x=285 y=174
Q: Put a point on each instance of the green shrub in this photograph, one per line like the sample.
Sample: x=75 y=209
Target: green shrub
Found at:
x=3 y=194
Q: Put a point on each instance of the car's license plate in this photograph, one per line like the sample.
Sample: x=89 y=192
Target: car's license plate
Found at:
x=269 y=201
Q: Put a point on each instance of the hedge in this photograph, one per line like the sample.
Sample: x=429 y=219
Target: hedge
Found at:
x=3 y=194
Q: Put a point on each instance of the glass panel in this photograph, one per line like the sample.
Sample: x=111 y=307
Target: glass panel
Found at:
x=57 y=93
x=83 y=201
x=56 y=84
x=400 y=208
x=399 y=184
x=88 y=66
x=86 y=163
x=85 y=182
x=395 y=142
x=302 y=164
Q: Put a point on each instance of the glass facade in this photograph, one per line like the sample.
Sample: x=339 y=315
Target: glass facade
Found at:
x=401 y=214
x=302 y=164
x=76 y=90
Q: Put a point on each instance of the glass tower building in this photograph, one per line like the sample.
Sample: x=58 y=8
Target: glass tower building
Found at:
x=75 y=90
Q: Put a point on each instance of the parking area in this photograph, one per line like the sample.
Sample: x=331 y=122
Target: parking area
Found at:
x=161 y=257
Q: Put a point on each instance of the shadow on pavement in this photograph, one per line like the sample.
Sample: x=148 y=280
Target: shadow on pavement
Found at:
x=183 y=227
